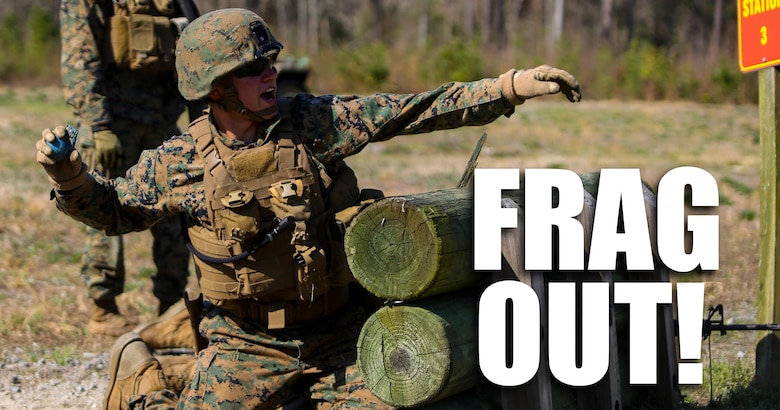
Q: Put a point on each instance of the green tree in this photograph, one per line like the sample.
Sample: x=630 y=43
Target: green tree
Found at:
x=41 y=55
x=10 y=34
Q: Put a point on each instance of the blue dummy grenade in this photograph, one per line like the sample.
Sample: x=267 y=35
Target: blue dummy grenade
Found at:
x=62 y=147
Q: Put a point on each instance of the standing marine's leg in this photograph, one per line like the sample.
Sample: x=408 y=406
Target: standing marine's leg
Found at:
x=103 y=268
x=172 y=260
x=103 y=271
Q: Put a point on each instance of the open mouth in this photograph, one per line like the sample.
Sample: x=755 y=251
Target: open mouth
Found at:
x=269 y=94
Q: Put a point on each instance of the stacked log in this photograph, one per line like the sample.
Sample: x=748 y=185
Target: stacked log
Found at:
x=417 y=353
x=413 y=247
x=417 y=246
x=417 y=252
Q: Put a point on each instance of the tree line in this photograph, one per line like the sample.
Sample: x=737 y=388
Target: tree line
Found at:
x=659 y=49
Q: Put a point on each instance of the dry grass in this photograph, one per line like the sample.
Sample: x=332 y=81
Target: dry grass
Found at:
x=40 y=249
x=45 y=301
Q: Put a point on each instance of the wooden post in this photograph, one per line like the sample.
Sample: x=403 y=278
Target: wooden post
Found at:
x=768 y=345
x=537 y=393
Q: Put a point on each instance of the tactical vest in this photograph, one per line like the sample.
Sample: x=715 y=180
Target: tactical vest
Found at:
x=142 y=35
x=251 y=194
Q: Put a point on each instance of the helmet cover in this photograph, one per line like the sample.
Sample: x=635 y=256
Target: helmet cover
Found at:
x=217 y=43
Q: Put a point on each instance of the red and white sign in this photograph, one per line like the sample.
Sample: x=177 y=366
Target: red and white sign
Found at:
x=759 y=34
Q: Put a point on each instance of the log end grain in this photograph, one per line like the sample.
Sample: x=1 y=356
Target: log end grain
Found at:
x=392 y=249
x=404 y=355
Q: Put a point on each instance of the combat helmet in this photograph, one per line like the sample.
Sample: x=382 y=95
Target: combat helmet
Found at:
x=217 y=43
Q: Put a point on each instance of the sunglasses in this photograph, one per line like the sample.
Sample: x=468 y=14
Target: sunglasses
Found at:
x=255 y=68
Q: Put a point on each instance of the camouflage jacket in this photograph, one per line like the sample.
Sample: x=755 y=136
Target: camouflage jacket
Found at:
x=99 y=93
x=169 y=179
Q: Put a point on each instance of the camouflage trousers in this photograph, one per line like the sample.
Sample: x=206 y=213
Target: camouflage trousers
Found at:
x=246 y=366
x=103 y=266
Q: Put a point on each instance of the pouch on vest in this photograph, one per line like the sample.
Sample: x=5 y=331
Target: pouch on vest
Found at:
x=155 y=7
x=239 y=223
x=269 y=272
x=312 y=270
x=292 y=198
x=142 y=36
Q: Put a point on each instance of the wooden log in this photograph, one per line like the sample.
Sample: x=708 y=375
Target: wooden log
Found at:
x=420 y=353
x=416 y=246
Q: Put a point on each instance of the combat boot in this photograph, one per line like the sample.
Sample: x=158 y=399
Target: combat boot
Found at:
x=171 y=330
x=178 y=370
x=108 y=321
x=133 y=371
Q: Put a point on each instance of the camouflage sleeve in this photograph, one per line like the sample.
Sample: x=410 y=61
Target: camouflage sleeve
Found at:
x=340 y=126
x=165 y=181
x=82 y=29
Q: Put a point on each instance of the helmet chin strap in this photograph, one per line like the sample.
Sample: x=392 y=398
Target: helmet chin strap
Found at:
x=230 y=102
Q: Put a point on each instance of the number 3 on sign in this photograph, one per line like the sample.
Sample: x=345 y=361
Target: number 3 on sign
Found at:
x=763 y=35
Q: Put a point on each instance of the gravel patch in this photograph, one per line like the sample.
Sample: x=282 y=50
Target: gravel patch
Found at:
x=79 y=383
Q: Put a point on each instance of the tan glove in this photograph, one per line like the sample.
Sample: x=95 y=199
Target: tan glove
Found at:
x=543 y=80
x=66 y=174
x=108 y=149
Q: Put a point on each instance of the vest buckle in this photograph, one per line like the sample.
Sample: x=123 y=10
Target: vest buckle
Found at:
x=236 y=199
x=287 y=189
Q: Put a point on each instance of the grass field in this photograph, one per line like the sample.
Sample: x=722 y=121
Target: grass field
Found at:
x=45 y=304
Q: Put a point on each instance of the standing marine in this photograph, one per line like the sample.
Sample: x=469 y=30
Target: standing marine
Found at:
x=118 y=75
x=262 y=185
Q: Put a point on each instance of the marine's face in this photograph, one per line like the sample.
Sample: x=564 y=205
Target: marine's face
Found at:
x=255 y=85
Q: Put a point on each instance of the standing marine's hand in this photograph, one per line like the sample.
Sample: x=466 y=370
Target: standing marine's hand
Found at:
x=544 y=80
x=65 y=174
x=108 y=149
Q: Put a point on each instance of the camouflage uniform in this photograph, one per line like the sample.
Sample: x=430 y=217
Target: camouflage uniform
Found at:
x=250 y=362
x=142 y=110
x=245 y=362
